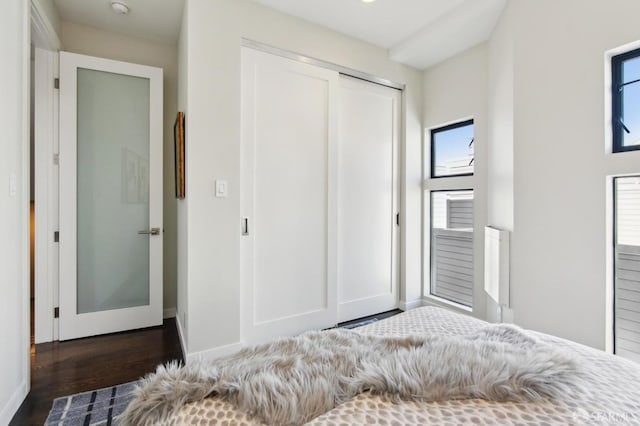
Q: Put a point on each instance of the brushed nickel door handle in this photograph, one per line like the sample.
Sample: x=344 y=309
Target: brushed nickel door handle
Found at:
x=152 y=231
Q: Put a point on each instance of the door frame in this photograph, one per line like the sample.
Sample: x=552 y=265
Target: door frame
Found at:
x=46 y=194
x=47 y=45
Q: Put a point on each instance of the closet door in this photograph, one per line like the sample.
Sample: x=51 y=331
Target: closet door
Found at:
x=289 y=196
x=369 y=135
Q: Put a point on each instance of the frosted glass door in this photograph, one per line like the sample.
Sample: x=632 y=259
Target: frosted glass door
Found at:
x=113 y=191
x=110 y=196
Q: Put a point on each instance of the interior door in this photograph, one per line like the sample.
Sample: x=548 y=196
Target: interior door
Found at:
x=110 y=196
x=289 y=195
x=369 y=135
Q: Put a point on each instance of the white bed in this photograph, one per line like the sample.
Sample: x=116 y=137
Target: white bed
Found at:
x=612 y=397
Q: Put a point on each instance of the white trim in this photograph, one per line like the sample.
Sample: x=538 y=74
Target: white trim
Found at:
x=9 y=410
x=20 y=394
x=453 y=183
x=46 y=194
x=169 y=313
x=214 y=353
x=609 y=291
x=45 y=35
x=262 y=47
x=183 y=342
x=407 y=306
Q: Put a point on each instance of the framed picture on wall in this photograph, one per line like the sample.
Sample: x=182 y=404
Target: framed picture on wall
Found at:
x=178 y=140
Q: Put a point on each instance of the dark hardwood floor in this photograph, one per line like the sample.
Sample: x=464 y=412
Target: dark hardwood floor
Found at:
x=64 y=368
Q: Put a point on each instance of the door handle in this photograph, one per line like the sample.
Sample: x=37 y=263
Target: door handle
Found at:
x=152 y=231
x=245 y=226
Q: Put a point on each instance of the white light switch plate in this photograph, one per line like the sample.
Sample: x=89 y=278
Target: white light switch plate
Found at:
x=222 y=188
x=12 y=185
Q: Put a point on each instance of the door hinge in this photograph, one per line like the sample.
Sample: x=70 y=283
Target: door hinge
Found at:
x=56 y=83
x=56 y=312
x=397 y=219
x=56 y=159
x=56 y=236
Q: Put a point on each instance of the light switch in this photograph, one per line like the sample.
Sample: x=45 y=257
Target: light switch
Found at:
x=222 y=188
x=12 y=185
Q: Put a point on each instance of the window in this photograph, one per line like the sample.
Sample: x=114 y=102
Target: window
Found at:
x=452 y=245
x=449 y=187
x=452 y=150
x=627 y=267
x=625 y=101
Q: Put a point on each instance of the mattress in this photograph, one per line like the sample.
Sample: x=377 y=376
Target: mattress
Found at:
x=612 y=398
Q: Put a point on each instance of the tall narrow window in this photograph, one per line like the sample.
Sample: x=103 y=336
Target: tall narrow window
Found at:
x=452 y=246
x=450 y=186
x=627 y=267
x=625 y=101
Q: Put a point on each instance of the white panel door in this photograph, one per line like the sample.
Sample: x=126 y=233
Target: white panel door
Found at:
x=289 y=157
x=110 y=196
x=369 y=135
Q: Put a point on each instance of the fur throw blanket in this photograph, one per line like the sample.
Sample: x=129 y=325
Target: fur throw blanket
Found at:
x=293 y=380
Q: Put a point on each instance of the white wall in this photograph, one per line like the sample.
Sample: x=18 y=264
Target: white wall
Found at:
x=548 y=170
x=500 y=196
x=214 y=34
x=559 y=248
x=456 y=90
x=94 y=42
x=500 y=129
x=182 y=213
x=14 y=209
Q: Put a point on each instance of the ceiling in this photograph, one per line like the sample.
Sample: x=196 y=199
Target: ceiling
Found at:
x=419 y=33
x=158 y=20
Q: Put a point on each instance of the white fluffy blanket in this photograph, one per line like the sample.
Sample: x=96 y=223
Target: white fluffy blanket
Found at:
x=293 y=380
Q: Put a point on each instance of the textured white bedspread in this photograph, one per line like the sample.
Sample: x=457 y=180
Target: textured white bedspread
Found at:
x=613 y=398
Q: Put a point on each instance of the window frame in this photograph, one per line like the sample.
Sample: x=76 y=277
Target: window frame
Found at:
x=617 y=62
x=433 y=132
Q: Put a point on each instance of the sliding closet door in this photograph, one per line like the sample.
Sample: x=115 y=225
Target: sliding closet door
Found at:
x=289 y=196
x=369 y=135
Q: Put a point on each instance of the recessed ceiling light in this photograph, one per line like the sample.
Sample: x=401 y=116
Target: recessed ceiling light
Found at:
x=119 y=7
x=368 y=1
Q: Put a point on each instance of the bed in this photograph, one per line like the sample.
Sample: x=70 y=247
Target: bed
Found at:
x=611 y=397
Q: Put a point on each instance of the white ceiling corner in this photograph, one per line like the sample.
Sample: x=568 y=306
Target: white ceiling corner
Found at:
x=461 y=28
x=419 y=33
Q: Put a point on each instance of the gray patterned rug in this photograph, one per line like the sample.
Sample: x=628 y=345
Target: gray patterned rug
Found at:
x=99 y=407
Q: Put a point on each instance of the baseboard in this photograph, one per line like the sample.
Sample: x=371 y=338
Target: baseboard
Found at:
x=10 y=409
x=214 y=353
x=183 y=342
x=169 y=313
x=412 y=304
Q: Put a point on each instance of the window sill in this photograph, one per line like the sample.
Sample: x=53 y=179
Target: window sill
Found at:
x=439 y=302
